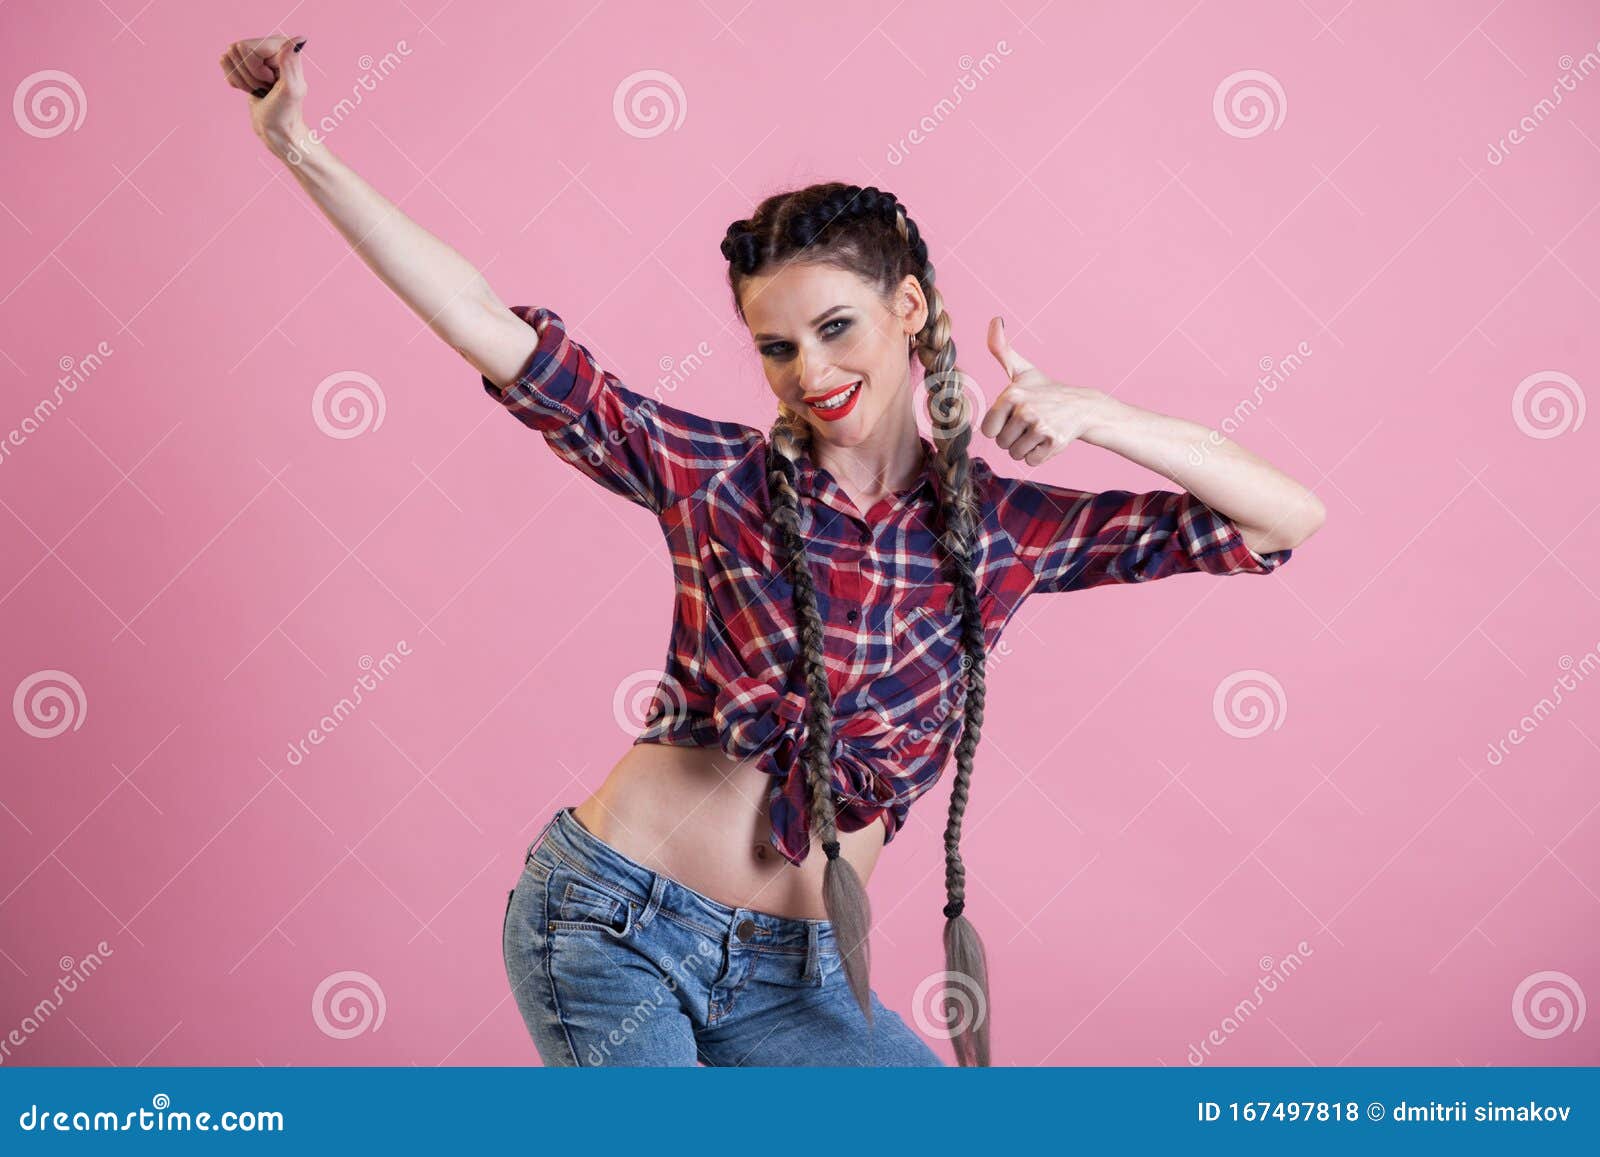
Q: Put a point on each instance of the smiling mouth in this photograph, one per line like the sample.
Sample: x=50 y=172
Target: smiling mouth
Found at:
x=836 y=398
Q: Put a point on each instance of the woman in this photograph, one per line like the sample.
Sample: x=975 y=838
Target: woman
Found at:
x=840 y=580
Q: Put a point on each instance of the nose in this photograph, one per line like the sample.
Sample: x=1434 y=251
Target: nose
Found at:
x=813 y=373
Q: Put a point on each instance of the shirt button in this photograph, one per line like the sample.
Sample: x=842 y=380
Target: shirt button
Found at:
x=852 y=616
x=866 y=537
x=746 y=930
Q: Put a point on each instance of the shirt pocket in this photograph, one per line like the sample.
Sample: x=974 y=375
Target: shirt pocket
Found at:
x=925 y=628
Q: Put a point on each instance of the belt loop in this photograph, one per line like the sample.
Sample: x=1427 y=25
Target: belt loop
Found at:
x=813 y=952
x=544 y=831
x=658 y=889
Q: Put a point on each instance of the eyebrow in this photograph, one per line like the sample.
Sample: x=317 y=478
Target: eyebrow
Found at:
x=818 y=320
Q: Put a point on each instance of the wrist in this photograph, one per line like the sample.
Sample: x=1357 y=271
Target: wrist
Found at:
x=1108 y=415
x=291 y=144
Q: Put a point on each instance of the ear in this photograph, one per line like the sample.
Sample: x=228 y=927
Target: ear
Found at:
x=911 y=304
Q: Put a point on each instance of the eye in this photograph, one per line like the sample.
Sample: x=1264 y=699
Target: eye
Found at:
x=780 y=349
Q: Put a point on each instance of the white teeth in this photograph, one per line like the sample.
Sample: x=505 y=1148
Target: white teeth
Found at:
x=839 y=401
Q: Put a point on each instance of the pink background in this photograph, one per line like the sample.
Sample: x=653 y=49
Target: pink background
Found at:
x=185 y=540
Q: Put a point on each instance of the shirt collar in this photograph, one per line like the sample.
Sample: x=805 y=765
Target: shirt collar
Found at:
x=811 y=475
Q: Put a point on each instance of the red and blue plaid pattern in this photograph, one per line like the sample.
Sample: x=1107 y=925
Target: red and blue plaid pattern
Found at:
x=734 y=678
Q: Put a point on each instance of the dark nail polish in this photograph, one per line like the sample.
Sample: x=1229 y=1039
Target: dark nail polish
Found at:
x=261 y=92
x=299 y=44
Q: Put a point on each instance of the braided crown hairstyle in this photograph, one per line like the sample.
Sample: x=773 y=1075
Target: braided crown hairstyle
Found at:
x=866 y=231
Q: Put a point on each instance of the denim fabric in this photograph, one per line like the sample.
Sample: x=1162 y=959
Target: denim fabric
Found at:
x=612 y=963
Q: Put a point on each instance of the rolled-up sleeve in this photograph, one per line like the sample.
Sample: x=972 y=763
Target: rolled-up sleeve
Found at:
x=1076 y=539
x=650 y=453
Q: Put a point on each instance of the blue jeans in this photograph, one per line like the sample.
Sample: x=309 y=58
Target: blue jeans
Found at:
x=612 y=963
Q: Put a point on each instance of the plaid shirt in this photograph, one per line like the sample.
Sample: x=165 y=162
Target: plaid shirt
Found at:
x=734 y=678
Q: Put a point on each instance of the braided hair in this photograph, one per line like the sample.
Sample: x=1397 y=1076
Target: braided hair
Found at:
x=867 y=231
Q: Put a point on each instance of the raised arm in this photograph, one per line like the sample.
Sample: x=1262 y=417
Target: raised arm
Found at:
x=648 y=452
x=444 y=289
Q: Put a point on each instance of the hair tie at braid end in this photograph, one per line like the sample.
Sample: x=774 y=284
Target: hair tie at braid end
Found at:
x=831 y=849
x=954 y=909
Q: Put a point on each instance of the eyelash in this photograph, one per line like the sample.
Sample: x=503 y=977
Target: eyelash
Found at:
x=768 y=350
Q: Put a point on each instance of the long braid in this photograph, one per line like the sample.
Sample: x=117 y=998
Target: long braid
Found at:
x=809 y=223
x=965 y=962
x=843 y=894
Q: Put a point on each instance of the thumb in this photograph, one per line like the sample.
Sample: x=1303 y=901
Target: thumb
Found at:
x=1010 y=360
x=289 y=66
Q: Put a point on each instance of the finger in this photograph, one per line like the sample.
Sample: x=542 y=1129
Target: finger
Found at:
x=1041 y=454
x=1028 y=445
x=1017 y=428
x=1013 y=362
x=995 y=417
x=232 y=72
x=254 y=66
x=291 y=74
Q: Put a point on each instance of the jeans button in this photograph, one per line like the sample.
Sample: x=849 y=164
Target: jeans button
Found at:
x=746 y=929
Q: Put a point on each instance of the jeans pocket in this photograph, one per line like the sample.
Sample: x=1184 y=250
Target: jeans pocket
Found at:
x=580 y=904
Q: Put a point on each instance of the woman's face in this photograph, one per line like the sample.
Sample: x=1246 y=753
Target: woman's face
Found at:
x=832 y=350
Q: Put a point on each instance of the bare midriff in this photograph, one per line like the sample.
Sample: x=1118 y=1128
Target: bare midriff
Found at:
x=700 y=817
